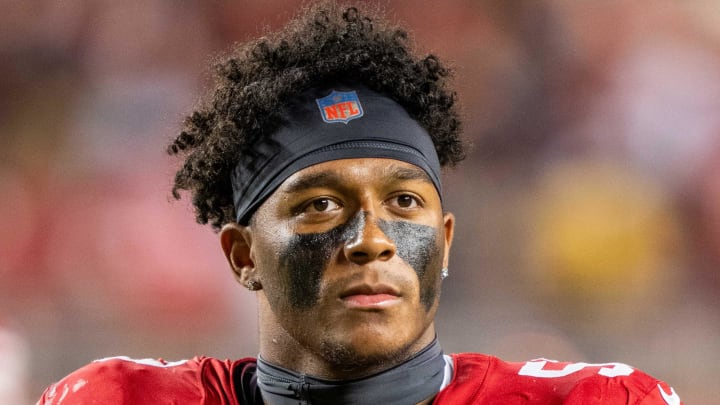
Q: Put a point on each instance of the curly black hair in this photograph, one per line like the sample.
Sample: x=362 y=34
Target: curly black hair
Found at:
x=325 y=42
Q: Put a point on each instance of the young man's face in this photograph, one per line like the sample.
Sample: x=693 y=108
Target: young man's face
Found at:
x=349 y=254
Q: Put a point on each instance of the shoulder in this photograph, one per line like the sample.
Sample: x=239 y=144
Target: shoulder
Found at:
x=122 y=380
x=484 y=378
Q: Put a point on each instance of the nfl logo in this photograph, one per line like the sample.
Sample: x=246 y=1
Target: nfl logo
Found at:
x=340 y=106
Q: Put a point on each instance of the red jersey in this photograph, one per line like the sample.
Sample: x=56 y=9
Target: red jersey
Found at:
x=476 y=379
x=482 y=379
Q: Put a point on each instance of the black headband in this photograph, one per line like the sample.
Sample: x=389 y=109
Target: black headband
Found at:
x=330 y=123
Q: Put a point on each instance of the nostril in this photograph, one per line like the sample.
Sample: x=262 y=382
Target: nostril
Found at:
x=385 y=253
x=359 y=257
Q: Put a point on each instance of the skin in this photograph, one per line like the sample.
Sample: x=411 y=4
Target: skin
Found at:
x=332 y=227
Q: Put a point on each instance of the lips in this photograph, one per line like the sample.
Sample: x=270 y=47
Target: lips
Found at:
x=370 y=296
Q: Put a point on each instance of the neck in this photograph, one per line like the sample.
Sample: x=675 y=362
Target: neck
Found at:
x=294 y=356
x=416 y=381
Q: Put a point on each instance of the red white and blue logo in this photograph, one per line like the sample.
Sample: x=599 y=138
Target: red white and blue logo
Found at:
x=340 y=106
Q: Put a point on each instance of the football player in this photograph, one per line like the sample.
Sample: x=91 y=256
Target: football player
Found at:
x=317 y=157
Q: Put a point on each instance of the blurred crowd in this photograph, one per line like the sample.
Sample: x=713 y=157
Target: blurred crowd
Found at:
x=588 y=207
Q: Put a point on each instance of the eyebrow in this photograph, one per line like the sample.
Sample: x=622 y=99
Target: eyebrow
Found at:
x=313 y=180
x=406 y=173
x=332 y=179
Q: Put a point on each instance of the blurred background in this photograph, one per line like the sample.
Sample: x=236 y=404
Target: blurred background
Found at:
x=589 y=206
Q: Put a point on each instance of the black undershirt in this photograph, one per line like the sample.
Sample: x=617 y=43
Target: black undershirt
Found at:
x=246 y=387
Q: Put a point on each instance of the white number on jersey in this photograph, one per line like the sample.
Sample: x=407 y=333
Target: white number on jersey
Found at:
x=536 y=368
x=147 y=362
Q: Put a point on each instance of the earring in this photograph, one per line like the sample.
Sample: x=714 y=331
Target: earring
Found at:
x=444 y=273
x=252 y=285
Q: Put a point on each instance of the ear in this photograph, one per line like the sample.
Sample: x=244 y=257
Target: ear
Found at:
x=449 y=226
x=236 y=241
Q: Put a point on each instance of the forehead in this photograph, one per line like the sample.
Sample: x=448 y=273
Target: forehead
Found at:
x=369 y=171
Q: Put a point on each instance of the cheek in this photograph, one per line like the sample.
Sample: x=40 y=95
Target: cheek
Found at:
x=302 y=263
x=304 y=258
x=418 y=245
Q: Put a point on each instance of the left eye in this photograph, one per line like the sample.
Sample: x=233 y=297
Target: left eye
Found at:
x=406 y=201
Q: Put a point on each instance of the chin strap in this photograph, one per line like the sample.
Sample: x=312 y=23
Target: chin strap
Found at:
x=405 y=384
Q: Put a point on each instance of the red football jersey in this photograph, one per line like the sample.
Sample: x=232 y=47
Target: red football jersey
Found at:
x=121 y=380
x=482 y=379
x=477 y=379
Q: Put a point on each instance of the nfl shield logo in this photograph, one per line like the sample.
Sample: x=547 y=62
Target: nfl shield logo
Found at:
x=340 y=106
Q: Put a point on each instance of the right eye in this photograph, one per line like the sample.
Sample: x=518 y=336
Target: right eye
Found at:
x=320 y=205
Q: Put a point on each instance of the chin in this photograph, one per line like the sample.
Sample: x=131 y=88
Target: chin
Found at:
x=349 y=359
x=366 y=350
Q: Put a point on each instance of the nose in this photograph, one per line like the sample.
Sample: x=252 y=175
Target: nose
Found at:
x=367 y=241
